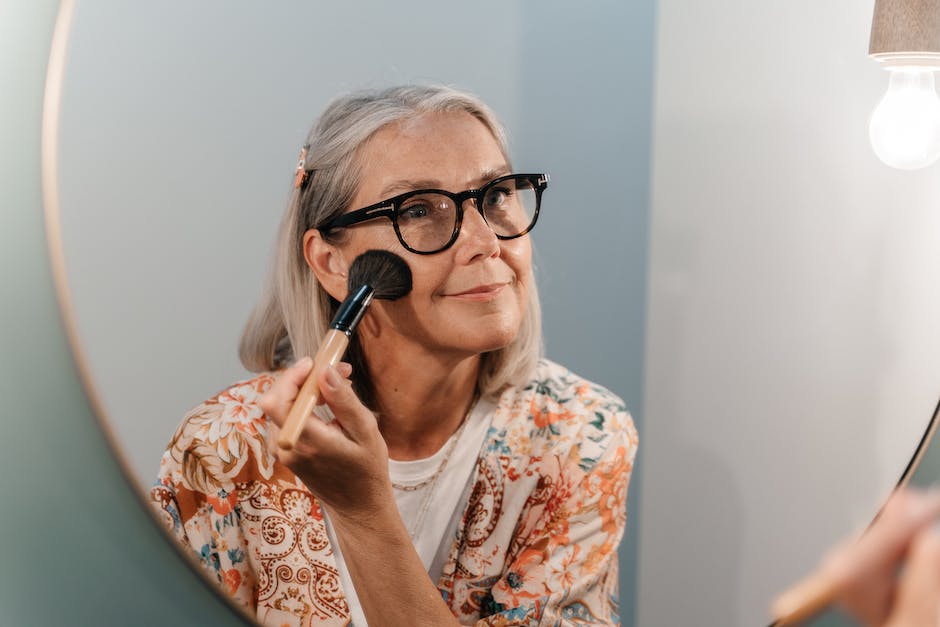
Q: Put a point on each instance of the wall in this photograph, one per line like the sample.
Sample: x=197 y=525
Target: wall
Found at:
x=792 y=349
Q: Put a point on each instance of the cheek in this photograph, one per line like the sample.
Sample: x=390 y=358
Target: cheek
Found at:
x=427 y=279
x=517 y=254
x=522 y=296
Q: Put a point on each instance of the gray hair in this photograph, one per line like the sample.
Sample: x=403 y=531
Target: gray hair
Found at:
x=294 y=312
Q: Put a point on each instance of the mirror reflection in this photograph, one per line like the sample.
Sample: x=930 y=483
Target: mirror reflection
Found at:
x=717 y=247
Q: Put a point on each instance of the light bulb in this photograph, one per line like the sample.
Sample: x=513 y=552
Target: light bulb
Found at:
x=905 y=126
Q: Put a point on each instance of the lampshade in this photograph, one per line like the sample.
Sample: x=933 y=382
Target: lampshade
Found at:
x=906 y=31
x=904 y=129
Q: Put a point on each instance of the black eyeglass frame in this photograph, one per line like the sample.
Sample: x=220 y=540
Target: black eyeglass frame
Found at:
x=391 y=207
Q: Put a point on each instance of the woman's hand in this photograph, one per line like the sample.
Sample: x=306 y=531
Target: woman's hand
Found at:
x=344 y=463
x=902 y=536
x=890 y=576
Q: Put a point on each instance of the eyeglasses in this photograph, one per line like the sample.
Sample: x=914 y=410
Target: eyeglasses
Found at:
x=428 y=221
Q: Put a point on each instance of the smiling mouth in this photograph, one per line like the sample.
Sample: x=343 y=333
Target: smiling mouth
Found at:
x=480 y=292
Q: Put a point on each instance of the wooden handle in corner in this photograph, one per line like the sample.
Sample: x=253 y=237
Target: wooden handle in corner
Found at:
x=804 y=600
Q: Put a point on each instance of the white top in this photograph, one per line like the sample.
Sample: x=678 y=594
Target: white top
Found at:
x=446 y=496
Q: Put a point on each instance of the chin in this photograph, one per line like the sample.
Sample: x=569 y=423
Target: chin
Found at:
x=494 y=337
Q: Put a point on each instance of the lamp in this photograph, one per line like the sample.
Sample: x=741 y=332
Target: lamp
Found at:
x=905 y=126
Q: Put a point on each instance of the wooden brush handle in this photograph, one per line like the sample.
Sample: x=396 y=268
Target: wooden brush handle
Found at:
x=804 y=600
x=331 y=351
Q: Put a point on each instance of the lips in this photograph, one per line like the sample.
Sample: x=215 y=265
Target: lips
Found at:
x=483 y=290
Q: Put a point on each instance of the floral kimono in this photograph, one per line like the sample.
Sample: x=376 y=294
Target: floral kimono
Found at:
x=537 y=543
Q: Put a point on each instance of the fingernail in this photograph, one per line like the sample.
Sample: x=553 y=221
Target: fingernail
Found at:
x=332 y=377
x=324 y=413
x=304 y=362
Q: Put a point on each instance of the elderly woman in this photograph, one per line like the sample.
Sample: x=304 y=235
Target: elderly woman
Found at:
x=465 y=480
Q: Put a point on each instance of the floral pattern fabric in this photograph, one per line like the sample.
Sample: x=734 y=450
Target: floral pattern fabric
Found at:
x=537 y=543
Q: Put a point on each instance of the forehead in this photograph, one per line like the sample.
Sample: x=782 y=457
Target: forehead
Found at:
x=451 y=148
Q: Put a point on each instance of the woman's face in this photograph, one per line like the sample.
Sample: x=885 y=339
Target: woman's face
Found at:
x=471 y=297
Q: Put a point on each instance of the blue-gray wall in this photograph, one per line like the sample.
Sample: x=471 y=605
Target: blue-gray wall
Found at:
x=592 y=256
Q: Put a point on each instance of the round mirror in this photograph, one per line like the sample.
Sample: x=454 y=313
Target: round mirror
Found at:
x=758 y=287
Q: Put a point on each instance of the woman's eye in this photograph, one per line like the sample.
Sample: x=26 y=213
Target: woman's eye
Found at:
x=497 y=197
x=414 y=211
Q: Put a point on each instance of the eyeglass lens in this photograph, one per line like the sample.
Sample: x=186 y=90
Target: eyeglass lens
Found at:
x=426 y=221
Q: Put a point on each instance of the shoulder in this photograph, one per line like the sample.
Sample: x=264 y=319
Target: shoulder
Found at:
x=558 y=398
x=561 y=413
x=220 y=438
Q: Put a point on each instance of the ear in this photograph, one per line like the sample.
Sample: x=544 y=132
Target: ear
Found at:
x=327 y=262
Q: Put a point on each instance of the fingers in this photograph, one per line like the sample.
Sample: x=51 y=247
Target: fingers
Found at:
x=341 y=443
x=343 y=462
x=277 y=401
x=906 y=513
x=354 y=417
x=279 y=398
x=866 y=571
x=917 y=602
x=345 y=370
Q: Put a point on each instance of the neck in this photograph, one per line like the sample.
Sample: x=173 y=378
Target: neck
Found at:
x=421 y=398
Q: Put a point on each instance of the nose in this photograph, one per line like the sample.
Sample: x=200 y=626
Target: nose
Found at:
x=476 y=237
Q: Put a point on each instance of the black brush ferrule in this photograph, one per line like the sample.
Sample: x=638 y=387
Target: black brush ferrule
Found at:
x=352 y=309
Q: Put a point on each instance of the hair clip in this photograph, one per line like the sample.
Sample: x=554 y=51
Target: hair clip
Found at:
x=300 y=177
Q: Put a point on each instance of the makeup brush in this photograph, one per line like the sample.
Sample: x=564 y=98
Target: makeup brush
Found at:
x=373 y=274
x=804 y=600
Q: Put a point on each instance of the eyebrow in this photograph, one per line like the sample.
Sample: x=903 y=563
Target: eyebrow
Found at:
x=407 y=185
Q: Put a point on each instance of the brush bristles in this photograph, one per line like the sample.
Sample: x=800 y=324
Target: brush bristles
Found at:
x=385 y=271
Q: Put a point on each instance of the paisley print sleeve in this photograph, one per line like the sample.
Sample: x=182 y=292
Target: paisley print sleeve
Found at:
x=186 y=514
x=250 y=521
x=197 y=489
